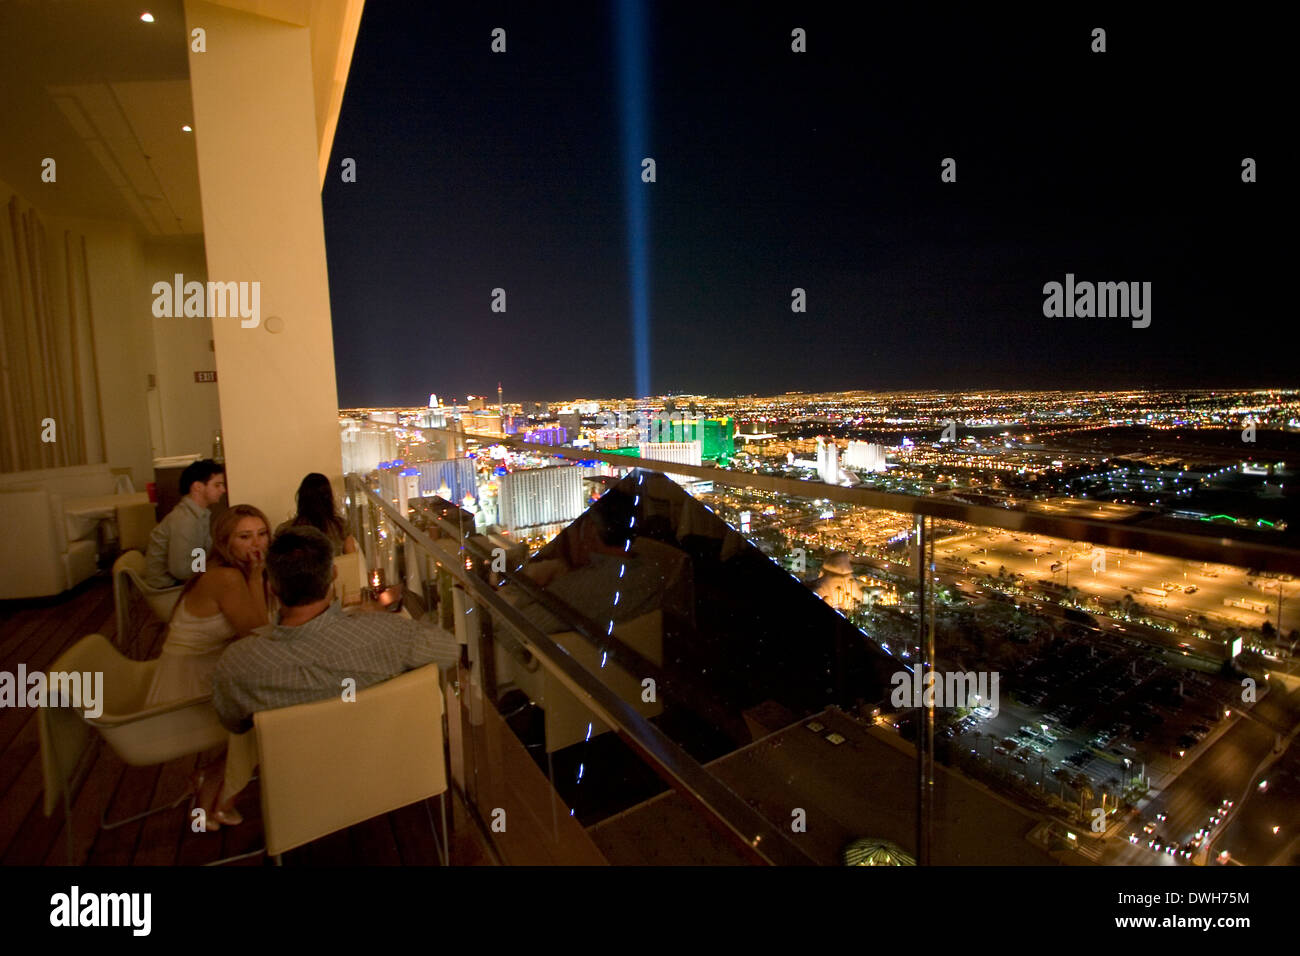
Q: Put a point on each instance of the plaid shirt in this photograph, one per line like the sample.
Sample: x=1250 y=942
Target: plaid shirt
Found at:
x=281 y=666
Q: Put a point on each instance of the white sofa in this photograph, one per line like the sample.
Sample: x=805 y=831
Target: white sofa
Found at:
x=51 y=521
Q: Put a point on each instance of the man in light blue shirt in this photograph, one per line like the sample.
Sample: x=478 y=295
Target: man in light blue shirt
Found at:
x=316 y=645
x=170 y=560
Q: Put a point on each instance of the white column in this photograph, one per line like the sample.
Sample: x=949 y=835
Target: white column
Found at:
x=255 y=132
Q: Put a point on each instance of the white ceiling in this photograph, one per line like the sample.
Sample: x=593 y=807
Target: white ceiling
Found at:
x=105 y=95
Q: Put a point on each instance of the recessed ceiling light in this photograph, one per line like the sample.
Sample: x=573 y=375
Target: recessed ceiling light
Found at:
x=187 y=128
x=147 y=17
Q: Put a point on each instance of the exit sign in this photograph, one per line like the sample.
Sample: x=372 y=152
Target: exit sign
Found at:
x=205 y=376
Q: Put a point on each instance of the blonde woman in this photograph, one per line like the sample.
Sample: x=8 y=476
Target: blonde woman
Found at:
x=227 y=601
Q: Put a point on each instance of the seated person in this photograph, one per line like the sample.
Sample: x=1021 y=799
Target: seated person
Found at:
x=170 y=559
x=316 y=645
x=306 y=657
x=227 y=601
x=316 y=509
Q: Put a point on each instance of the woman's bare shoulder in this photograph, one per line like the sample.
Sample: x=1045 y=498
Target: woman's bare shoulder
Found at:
x=203 y=598
x=222 y=577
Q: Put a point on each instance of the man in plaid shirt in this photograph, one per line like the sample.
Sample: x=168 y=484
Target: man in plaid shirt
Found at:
x=316 y=646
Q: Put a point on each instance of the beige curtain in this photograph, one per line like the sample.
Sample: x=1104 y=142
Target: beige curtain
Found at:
x=47 y=355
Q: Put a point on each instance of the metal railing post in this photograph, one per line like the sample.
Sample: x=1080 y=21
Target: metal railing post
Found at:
x=925 y=715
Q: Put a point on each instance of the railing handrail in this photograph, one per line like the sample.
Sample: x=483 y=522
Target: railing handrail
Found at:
x=619 y=652
x=748 y=826
x=1178 y=544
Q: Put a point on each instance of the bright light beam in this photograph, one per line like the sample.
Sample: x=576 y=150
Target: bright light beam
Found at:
x=633 y=94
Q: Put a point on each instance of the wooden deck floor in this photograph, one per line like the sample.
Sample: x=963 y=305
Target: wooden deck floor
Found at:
x=36 y=633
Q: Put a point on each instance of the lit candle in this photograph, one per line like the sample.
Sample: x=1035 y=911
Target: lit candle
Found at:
x=376 y=579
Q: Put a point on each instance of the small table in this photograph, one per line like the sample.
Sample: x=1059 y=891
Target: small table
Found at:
x=391 y=601
x=93 y=512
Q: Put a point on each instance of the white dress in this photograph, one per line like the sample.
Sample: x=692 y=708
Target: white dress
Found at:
x=189 y=656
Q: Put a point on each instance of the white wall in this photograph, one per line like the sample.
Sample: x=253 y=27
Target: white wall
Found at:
x=191 y=412
x=120 y=304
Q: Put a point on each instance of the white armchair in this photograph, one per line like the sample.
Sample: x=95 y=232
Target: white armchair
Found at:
x=52 y=519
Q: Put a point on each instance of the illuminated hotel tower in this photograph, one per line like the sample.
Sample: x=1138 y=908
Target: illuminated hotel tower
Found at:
x=540 y=496
x=828 y=461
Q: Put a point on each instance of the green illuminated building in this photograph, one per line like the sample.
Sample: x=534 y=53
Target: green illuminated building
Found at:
x=717 y=436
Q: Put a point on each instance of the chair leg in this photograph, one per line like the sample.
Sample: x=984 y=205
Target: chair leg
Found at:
x=104 y=823
x=121 y=596
x=443 y=844
x=446 y=831
x=66 y=782
x=242 y=856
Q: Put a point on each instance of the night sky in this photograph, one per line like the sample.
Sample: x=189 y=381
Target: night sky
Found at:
x=818 y=170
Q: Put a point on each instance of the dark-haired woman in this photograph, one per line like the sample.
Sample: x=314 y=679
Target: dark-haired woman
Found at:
x=316 y=509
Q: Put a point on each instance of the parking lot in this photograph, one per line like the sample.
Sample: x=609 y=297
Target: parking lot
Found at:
x=1094 y=711
x=1192 y=589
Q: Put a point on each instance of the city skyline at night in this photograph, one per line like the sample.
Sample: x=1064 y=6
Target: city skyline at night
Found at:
x=733 y=435
x=777 y=171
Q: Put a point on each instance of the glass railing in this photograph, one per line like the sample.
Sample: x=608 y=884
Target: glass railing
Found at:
x=739 y=674
x=549 y=732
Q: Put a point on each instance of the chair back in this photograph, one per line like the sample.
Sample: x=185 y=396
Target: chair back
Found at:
x=66 y=737
x=330 y=764
x=141 y=736
x=347 y=582
x=135 y=523
x=129 y=570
